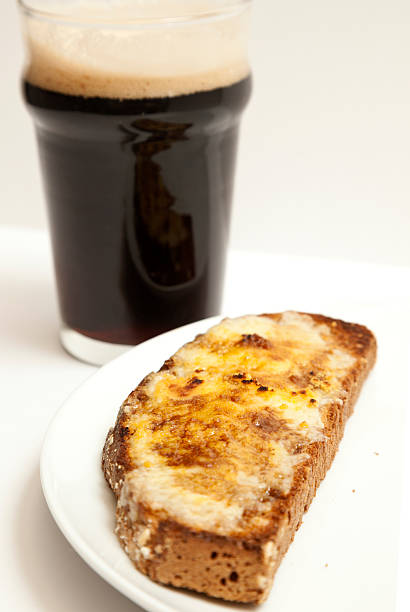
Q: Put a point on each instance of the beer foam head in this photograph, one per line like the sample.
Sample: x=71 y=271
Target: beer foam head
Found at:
x=138 y=49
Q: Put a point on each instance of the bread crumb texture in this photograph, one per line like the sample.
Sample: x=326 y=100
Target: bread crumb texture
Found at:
x=215 y=458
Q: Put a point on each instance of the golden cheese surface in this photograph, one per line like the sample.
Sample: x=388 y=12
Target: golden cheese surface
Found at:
x=214 y=437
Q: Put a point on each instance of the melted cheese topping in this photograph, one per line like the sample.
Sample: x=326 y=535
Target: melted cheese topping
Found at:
x=215 y=438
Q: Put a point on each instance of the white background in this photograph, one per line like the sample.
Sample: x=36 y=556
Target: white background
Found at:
x=39 y=570
x=324 y=159
x=323 y=170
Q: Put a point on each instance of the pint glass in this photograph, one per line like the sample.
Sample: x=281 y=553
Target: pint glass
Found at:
x=136 y=107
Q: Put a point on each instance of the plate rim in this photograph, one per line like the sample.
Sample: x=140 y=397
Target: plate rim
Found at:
x=132 y=590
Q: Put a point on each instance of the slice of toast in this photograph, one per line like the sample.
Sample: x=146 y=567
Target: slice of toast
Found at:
x=215 y=458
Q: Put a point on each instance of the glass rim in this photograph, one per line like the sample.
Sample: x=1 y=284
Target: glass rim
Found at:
x=227 y=9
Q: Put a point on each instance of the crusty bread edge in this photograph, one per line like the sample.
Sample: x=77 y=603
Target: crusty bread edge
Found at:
x=237 y=569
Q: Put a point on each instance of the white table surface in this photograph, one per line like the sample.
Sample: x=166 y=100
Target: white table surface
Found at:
x=39 y=569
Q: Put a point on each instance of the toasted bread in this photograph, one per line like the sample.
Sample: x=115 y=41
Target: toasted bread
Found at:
x=215 y=458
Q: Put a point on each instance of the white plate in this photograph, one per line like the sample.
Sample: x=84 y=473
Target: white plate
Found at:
x=343 y=557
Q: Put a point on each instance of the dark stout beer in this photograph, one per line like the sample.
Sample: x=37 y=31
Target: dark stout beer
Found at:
x=139 y=194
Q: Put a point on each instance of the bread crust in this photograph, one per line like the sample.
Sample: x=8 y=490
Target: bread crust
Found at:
x=234 y=567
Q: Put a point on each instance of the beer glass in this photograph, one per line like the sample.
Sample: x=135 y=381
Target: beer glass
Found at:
x=136 y=107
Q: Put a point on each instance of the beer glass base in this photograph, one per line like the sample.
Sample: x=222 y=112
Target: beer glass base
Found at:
x=89 y=350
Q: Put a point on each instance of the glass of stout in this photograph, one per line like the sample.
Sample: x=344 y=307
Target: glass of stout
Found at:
x=137 y=108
